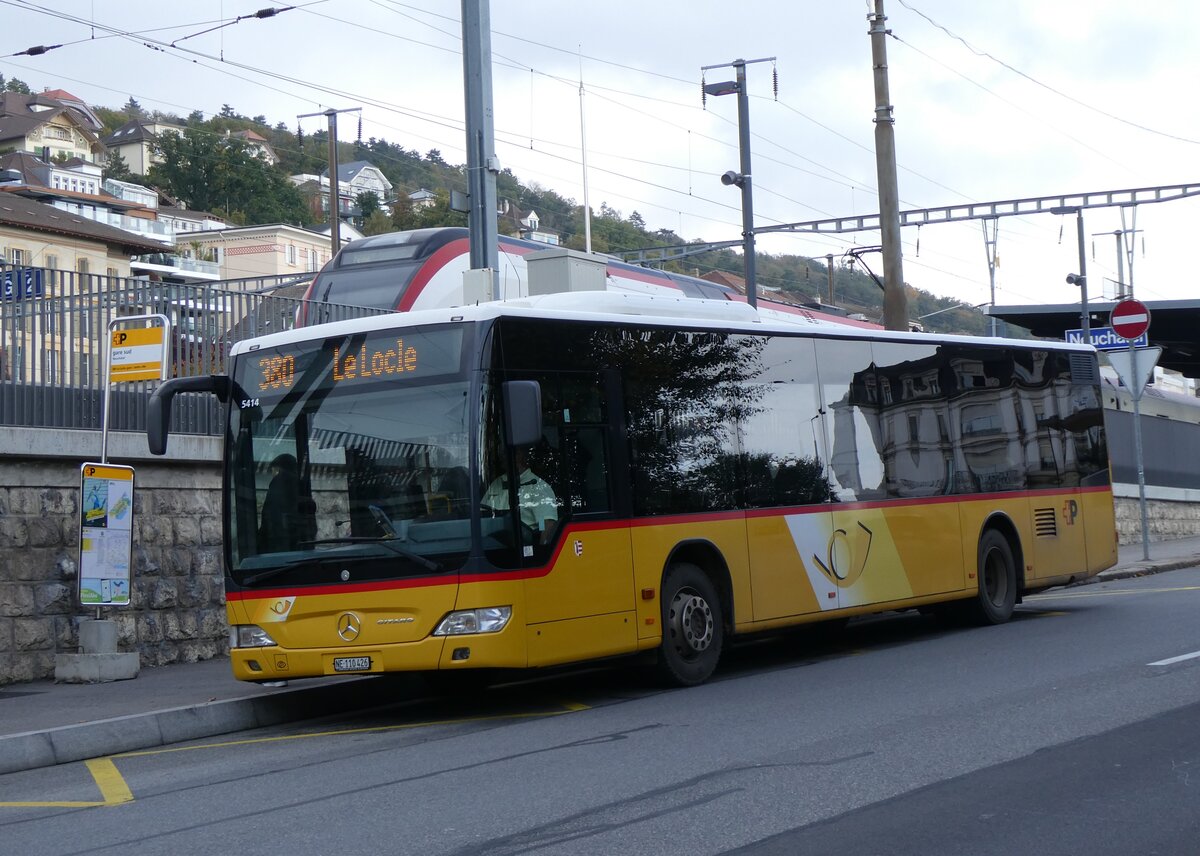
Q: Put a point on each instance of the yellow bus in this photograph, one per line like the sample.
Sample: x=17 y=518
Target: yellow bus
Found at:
x=563 y=478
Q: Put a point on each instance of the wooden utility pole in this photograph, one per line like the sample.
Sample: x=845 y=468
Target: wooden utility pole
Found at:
x=335 y=223
x=895 y=301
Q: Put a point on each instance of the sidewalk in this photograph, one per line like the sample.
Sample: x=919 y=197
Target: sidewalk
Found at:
x=44 y=723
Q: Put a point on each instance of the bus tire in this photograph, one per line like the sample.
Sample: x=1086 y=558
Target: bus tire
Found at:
x=693 y=627
x=997 y=580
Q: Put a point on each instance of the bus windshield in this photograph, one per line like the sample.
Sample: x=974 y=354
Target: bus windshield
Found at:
x=350 y=456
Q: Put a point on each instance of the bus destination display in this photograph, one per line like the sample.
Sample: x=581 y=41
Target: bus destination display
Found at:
x=352 y=360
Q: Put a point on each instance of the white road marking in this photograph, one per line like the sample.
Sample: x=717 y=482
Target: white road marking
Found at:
x=1172 y=660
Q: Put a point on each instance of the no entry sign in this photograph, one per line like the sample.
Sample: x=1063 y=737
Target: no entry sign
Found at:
x=1130 y=319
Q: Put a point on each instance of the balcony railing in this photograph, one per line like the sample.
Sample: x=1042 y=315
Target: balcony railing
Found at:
x=138 y=225
x=177 y=262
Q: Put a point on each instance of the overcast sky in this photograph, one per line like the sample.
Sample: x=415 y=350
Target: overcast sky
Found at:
x=993 y=101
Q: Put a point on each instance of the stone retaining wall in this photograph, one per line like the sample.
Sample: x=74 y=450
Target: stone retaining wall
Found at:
x=1165 y=520
x=177 y=613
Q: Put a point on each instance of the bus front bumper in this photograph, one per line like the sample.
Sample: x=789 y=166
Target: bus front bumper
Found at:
x=275 y=663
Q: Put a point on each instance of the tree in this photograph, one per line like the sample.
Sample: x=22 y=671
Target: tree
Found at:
x=377 y=223
x=117 y=168
x=227 y=112
x=405 y=217
x=368 y=204
x=212 y=173
x=133 y=110
x=635 y=219
x=18 y=86
x=110 y=119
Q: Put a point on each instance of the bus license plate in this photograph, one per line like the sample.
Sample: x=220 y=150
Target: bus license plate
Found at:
x=351 y=664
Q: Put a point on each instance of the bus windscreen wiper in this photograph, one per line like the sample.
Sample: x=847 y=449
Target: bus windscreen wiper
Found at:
x=385 y=540
x=271 y=573
x=274 y=572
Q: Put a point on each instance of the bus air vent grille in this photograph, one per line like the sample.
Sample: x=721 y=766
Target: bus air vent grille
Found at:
x=1045 y=522
x=1083 y=369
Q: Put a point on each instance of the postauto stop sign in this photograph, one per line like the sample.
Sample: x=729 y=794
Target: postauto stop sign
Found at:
x=1130 y=319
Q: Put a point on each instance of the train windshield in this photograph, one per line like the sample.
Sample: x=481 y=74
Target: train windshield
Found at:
x=350 y=456
x=373 y=272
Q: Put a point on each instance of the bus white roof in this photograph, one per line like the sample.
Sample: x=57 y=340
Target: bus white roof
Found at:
x=620 y=307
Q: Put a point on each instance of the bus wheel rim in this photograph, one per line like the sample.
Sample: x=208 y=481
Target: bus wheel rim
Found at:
x=692 y=622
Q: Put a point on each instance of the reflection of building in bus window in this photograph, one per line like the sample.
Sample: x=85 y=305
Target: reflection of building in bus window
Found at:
x=366 y=486
x=535 y=498
x=280 y=528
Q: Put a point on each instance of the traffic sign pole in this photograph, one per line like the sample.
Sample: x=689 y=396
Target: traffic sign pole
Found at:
x=1130 y=319
x=1137 y=450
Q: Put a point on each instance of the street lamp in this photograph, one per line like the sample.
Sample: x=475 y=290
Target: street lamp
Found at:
x=741 y=179
x=1080 y=278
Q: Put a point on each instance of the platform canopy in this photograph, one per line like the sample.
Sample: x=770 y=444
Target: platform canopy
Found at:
x=1174 y=326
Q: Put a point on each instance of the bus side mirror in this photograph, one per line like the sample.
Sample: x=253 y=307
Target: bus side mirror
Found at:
x=523 y=412
x=158 y=408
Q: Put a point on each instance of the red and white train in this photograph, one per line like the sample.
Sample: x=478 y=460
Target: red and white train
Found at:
x=424 y=268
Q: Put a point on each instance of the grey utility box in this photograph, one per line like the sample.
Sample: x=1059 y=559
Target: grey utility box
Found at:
x=558 y=270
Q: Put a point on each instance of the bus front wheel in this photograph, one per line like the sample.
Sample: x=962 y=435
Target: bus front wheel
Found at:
x=693 y=627
x=997 y=580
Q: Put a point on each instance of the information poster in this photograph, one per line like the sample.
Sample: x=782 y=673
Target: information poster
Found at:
x=105 y=534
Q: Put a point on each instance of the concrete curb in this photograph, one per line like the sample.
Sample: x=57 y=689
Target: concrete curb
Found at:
x=34 y=749
x=1142 y=569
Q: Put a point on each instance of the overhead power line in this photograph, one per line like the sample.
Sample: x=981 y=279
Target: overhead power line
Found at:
x=982 y=53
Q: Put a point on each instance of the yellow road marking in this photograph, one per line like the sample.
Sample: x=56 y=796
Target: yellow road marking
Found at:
x=108 y=779
x=570 y=707
x=115 y=791
x=1110 y=593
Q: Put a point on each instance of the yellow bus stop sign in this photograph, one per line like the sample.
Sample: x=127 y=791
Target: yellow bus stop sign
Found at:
x=137 y=353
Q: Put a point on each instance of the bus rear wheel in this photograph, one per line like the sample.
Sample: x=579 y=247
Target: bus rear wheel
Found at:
x=997 y=580
x=693 y=627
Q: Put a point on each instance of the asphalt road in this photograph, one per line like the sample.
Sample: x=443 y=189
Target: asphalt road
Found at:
x=1073 y=729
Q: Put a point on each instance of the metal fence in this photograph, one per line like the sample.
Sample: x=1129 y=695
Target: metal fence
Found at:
x=53 y=342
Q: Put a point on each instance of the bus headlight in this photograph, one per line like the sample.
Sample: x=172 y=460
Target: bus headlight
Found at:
x=249 y=636
x=489 y=619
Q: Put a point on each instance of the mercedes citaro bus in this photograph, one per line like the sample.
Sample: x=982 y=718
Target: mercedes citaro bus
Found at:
x=562 y=478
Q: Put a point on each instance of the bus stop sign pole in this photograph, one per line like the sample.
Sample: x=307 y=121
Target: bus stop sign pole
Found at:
x=106 y=491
